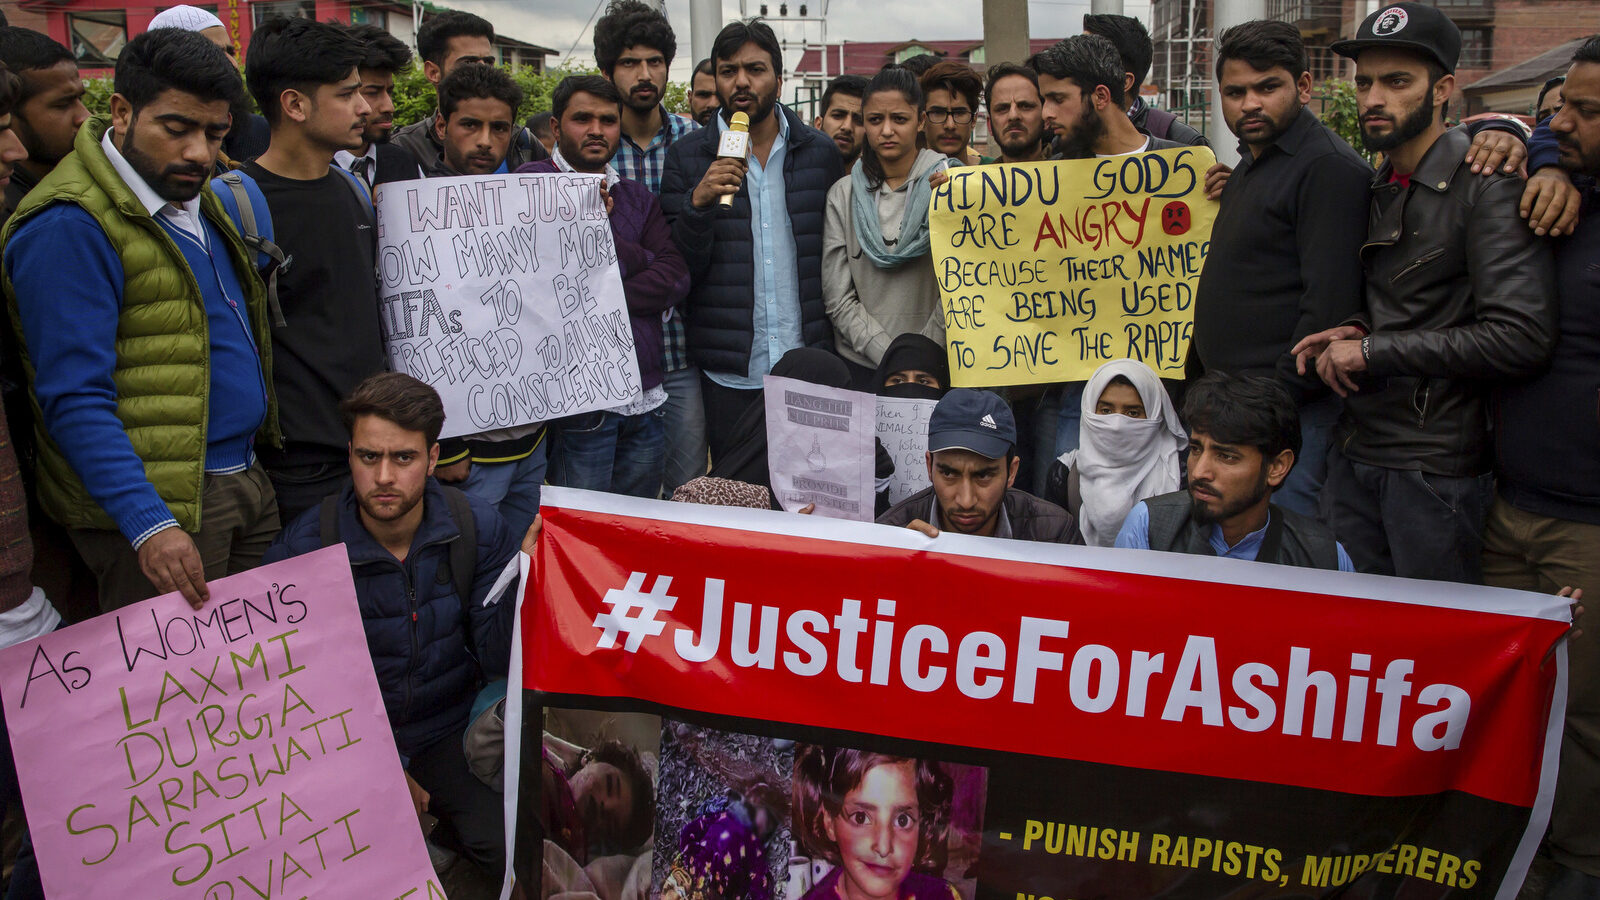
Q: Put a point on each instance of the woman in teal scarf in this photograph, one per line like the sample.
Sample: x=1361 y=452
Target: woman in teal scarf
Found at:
x=877 y=272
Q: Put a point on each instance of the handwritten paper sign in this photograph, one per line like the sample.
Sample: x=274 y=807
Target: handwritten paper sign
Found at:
x=820 y=448
x=236 y=751
x=504 y=293
x=903 y=429
x=1047 y=270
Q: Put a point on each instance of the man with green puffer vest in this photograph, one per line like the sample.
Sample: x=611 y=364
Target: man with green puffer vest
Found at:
x=144 y=334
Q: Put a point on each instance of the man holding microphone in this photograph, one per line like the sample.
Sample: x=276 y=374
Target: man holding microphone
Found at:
x=750 y=227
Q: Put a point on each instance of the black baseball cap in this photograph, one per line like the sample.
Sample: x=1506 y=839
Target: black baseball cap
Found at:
x=972 y=420
x=1408 y=26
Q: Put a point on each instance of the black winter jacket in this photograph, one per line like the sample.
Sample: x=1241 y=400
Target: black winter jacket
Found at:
x=1031 y=519
x=1460 y=295
x=430 y=654
x=717 y=245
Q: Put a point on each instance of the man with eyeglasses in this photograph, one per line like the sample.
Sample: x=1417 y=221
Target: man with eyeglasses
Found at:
x=952 y=91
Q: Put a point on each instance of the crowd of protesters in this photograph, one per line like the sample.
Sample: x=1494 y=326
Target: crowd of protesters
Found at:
x=1394 y=371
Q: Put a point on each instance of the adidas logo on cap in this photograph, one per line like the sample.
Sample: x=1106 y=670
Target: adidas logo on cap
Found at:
x=988 y=422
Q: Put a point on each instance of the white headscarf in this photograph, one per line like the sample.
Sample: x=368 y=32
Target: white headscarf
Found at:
x=1122 y=460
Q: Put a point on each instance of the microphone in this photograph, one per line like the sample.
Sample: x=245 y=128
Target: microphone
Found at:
x=736 y=144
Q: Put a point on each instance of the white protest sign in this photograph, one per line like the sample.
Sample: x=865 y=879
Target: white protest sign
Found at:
x=903 y=429
x=504 y=293
x=820 y=448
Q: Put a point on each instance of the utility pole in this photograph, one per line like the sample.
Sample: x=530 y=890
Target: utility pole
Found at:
x=1005 y=30
x=1226 y=14
x=705 y=20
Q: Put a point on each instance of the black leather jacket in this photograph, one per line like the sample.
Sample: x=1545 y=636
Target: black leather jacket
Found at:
x=1460 y=295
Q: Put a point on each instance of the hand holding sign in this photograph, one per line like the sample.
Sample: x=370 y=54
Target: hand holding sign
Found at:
x=504 y=293
x=239 y=751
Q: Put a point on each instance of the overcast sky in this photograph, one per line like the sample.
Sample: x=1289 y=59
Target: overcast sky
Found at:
x=562 y=23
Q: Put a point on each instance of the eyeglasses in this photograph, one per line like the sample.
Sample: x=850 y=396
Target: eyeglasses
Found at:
x=937 y=114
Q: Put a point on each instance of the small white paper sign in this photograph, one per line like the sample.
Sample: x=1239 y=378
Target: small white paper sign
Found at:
x=820 y=448
x=903 y=429
x=504 y=293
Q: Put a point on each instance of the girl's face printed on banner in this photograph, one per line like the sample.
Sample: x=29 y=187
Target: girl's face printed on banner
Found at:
x=876 y=832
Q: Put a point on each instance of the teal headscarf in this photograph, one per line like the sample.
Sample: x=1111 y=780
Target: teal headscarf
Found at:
x=913 y=242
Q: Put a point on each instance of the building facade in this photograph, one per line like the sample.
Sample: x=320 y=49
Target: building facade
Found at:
x=1496 y=35
x=96 y=30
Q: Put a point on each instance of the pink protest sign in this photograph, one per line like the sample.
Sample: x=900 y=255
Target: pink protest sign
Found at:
x=240 y=750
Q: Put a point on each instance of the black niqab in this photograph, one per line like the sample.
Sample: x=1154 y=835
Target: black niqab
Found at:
x=913 y=351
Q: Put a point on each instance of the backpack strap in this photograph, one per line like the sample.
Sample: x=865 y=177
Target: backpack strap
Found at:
x=257 y=238
x=328 y=516
x=464 y=549
x=1272 y=542
x=362 y=193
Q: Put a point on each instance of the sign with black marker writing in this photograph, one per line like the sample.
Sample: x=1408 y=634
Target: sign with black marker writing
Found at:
x=239 y=750
x=1048 y=270
x=903 y=431
x=504 y=293
x=820 y=448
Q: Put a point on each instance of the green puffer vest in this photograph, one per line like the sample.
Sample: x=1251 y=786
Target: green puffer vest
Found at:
x=163 y=373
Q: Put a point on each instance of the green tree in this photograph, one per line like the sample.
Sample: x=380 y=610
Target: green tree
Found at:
x=414 y=95
x=1341 y=112
x=97 y=96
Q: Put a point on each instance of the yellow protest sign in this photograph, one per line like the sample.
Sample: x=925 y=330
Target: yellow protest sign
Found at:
x=1047 y=270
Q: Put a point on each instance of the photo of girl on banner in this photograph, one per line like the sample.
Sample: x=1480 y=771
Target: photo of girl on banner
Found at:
x=599 y=797
x=883 y=826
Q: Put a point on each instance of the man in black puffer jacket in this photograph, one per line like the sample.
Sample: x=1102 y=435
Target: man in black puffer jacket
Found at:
x=756 y=265
x=431 y=648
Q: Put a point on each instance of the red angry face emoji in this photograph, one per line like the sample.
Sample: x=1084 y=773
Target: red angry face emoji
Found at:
x=1175 y=218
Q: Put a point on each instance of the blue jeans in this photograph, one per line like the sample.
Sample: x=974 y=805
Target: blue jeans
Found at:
x=1056 y=424
x=604 y=451
x=1300 y=490
x=511 y=487
x=684 y=419
x=1407 y=522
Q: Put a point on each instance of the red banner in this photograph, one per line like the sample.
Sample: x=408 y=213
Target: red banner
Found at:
x=1359 y=685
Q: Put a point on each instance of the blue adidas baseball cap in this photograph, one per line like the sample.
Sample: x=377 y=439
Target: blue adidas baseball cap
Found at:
x=978 y=421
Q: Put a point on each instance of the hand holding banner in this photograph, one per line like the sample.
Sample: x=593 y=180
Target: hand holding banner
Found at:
x=504 y=293
x=238 y=750
x=1147 y=724
x=1047 y=270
